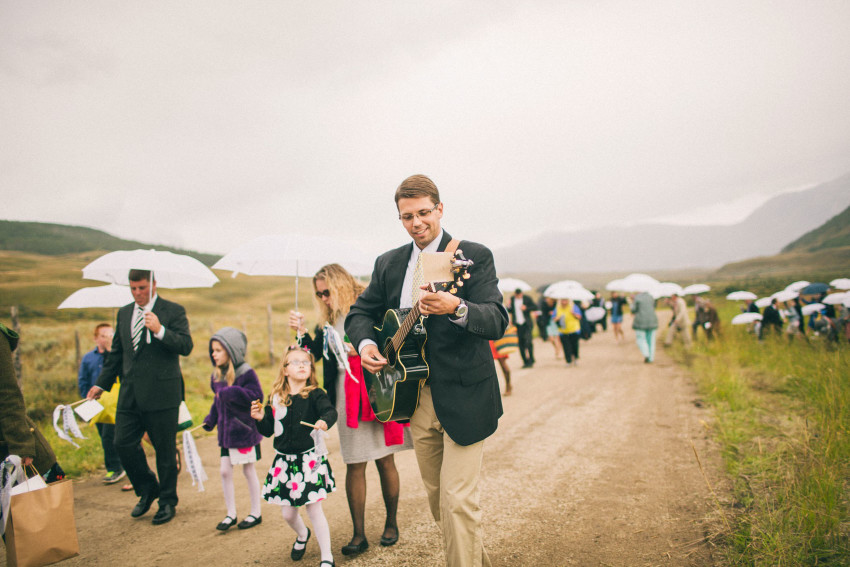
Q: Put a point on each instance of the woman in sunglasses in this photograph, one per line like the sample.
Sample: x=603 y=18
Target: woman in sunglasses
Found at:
x=361 y=437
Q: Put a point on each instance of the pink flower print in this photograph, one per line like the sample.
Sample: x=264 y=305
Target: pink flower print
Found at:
x=276 y=471
x=246 y=450
x=296 y=485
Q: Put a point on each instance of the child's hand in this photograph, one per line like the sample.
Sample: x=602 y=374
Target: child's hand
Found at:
x=320 y=424
x=257 y=410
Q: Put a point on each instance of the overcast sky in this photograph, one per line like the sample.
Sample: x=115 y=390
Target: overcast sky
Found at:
x=203 y=124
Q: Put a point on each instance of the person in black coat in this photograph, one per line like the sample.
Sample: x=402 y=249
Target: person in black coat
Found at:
x=521 y=309
x=460 y=405
x=151 y=334
x=771 y=320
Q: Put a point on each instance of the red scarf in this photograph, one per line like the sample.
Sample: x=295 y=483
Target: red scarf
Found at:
x=357 y=405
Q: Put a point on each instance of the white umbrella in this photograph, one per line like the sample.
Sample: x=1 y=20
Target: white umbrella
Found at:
x=796 y=286
x=509 y=285
x=567 y=290
x=616 y=285
x=764 y=302
x=840 y=283
x=785 y=295
x=810 y=308
x=294 y=255
x=696 y=288
x=745 y=318
x=169 y=270
x=637 y=283
x=666 y=289
x=111 y=295
x=835 y=298
x=593 y=314
x=741 y=296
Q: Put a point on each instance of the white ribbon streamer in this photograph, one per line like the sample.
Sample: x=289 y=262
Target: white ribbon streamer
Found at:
x=193 y=461
x=69 y=423
x=336 y=345
x=11 y=473
x=319 y=441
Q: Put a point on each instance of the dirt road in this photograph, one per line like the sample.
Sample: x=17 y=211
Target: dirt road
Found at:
x=591 y=465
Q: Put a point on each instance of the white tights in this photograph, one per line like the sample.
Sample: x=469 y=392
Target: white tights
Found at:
x=320 y=526
x=229 y=492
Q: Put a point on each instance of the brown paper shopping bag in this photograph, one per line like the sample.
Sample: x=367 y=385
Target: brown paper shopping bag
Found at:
x=41 y=528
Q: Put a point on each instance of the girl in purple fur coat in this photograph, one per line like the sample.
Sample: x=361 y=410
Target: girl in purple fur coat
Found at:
x=235 y=385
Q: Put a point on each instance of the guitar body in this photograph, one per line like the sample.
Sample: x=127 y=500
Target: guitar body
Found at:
x=394 y=391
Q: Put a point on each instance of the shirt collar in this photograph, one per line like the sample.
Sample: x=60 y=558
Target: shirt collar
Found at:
x=433 y=246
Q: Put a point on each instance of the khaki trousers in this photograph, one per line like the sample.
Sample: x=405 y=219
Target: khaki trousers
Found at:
x=451 y=475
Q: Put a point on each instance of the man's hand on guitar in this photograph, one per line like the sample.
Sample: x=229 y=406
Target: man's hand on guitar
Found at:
x=371 y=359
x=437 y=303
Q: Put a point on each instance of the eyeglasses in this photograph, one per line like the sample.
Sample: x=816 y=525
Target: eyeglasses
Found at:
x=421 y=215
x=298 y=363
x=323 y=293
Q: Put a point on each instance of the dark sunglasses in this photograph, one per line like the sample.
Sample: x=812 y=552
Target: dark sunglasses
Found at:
x=325 y=293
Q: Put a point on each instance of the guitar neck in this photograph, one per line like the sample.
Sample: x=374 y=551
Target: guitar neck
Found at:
x=405 y=327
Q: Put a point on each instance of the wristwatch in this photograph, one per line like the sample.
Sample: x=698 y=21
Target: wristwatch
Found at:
x=462 y=309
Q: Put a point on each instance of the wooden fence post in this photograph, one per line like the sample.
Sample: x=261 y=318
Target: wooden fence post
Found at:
x=271 y=336
x=16 y=356
x=77 y=349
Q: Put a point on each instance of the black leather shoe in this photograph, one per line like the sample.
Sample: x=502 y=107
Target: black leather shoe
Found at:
x=227 y=523
x=355 y=548
x=388 y=541
x=164 y=514
x=144 y=504
x=297 y=554
x=250 y=522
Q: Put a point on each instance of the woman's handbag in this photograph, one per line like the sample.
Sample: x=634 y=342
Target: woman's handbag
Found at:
x=41 y=528
x=509 y=342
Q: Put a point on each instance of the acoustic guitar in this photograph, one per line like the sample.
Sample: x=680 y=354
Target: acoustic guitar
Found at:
x=394 y=390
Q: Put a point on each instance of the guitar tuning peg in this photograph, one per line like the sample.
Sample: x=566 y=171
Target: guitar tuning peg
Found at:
x=453 y=291
x=466 y=275
x=460 y=284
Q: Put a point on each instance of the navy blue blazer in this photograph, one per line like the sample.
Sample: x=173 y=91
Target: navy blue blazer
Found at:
x=150 y=377
x=463 y=380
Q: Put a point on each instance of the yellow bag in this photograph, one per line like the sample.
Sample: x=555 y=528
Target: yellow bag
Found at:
x=109 y=401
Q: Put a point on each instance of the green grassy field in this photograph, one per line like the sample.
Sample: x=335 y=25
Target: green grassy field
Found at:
x=782 y=422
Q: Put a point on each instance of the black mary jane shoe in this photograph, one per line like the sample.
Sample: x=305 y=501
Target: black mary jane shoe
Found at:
x=355 y=548
x=227 y=523
x=250 y=522
x=326 y=562
x=297 y=554
x=388 y=541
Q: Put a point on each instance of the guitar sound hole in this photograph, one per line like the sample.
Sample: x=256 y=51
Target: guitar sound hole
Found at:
x=392 y=356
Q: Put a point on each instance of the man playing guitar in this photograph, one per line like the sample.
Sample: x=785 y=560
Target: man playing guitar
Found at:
x=460 y=405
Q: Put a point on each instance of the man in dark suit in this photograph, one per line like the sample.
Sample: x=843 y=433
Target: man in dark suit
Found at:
x=460 y=405
x=521 y=309
x=151 y=335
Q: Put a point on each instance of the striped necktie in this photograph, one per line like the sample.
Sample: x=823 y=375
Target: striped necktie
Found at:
x=417 y=280
x=138 y=326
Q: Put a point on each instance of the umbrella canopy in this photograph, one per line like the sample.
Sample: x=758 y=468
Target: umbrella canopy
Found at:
x=615 y=285
x=111 y=295
x=784 y=295
x=814 y=289
x=812 y=308
x=294 y=255
x=170 y=270
x=568 y=290
x=840 y=283
x=835 y=298
x=741 y=296
x=637 y=283
x=745 y=318
x=764 y=302
x=666 y=289
x=696 y=288
x=594 y=314
x=797 y=286
x=510 y=285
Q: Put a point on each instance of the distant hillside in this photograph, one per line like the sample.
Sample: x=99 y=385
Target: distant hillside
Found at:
x=835 y=233
x=652 y=247
x=58 y=239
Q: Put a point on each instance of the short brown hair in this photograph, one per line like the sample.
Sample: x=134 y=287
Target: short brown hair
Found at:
x=417 y=186
x=101 y=326
x=139 y=275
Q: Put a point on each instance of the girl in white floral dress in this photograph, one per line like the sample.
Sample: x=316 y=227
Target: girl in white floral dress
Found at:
x=300 y=475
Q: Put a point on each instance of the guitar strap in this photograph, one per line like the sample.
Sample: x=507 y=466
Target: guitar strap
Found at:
x=452 y=246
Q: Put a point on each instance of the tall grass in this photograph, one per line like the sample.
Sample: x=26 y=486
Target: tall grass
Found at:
x=783 y=414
